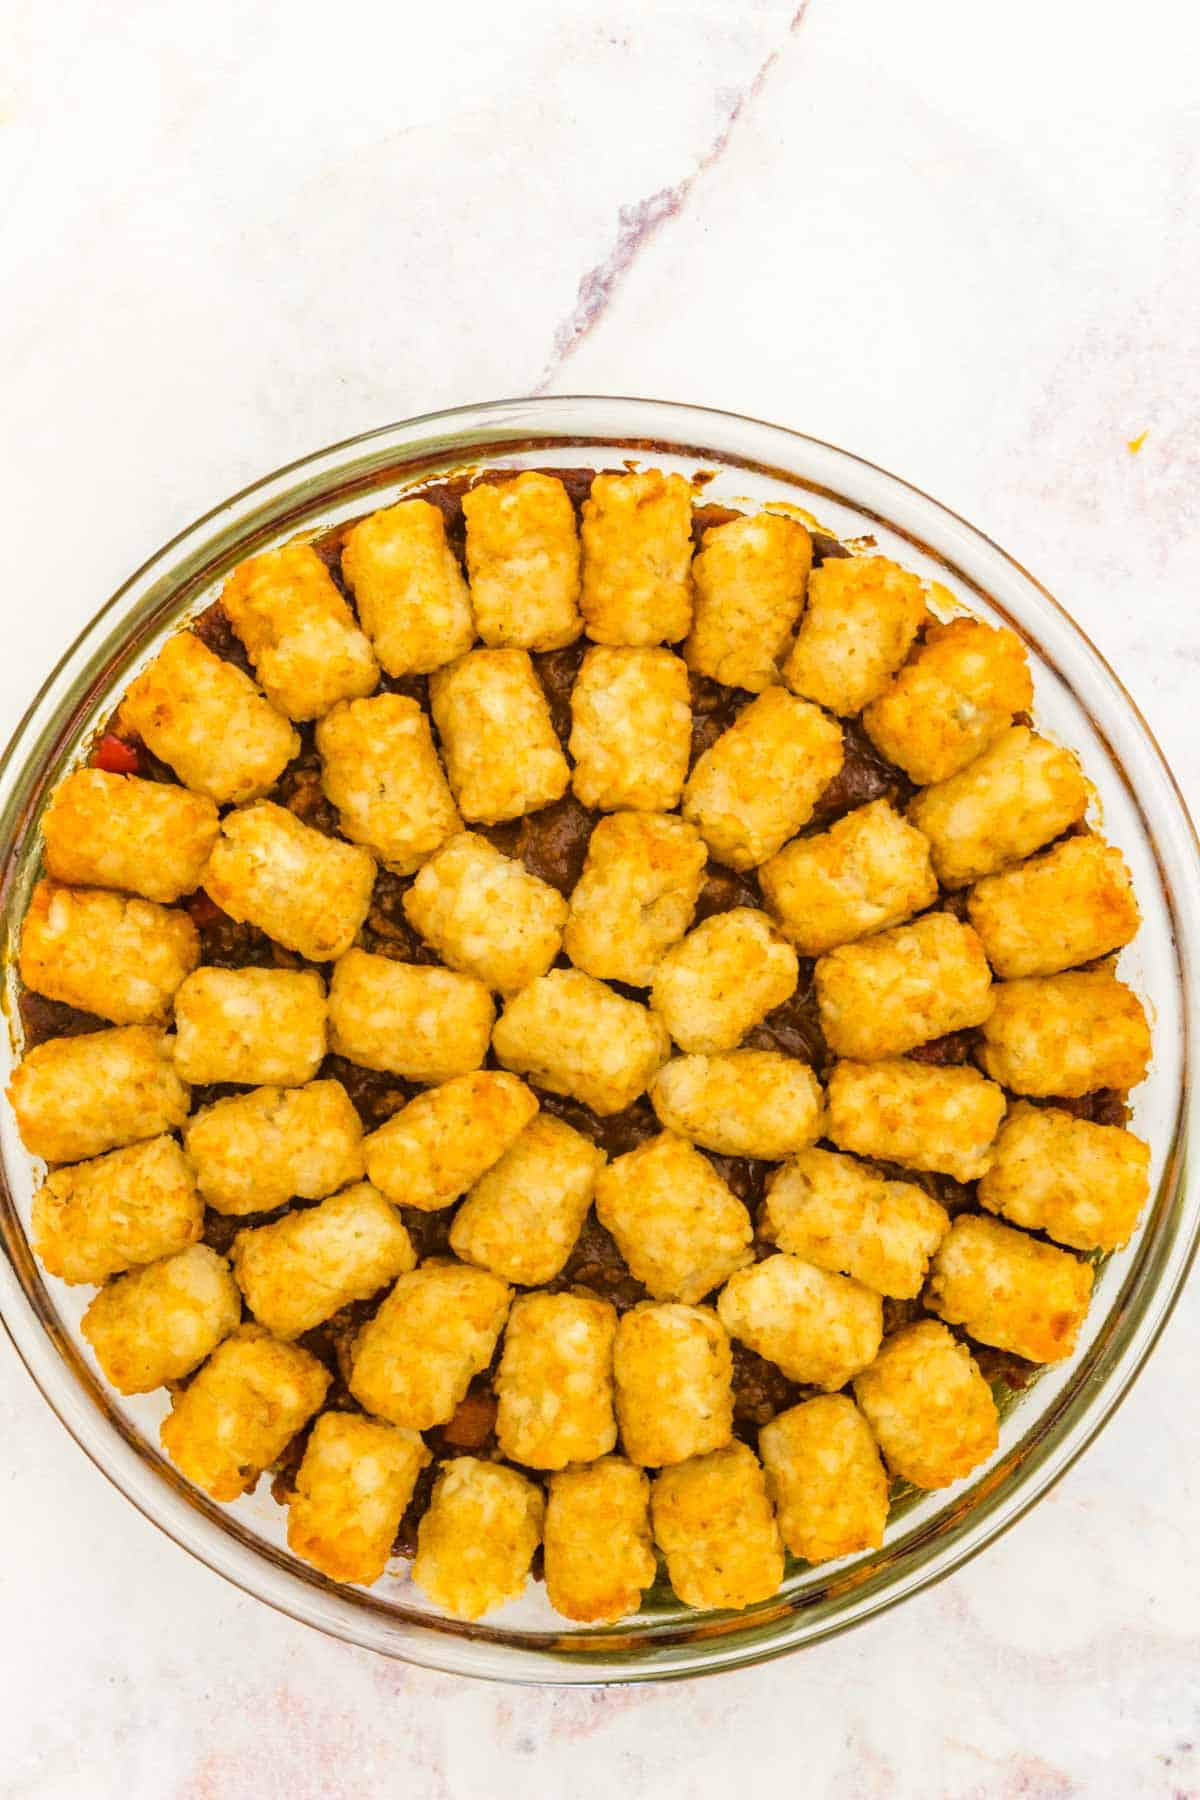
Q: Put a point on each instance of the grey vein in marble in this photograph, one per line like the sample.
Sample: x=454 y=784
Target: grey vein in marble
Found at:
x=638 y=223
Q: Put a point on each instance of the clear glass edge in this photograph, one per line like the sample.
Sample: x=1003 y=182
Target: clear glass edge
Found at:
x=1159 y=1270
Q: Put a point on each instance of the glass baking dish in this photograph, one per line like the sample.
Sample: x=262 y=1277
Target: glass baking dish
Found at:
x=1079 y=700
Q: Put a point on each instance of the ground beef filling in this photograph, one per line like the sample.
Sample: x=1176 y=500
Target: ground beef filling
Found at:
x=552 y=844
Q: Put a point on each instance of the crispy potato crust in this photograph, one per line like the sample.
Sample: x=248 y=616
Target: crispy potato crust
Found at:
x=862 y=615
x=237 y=1415
x=158 y=1323
x=714 y=1523
x=819 y=1328
x=1066 y=1035
x=381 y=771
x=631 y=729
x=751 y=575
x=599 y=1551
x=308 y=891
x=413 y=1361
x=76 y=1097
x=119 y=958
x=118 y=831
x=523 y=562
x=1082 y=1184
x=411 y=594
x=679 y=1228
x=209 y=722
x=826 y=1479
x=555 y=1382
x=869 y=870
x=299 y=1271
x=637 y=559
x=929 y=1407
x=476 y=1542
x=1010 y=1290
x=307 y=651
x=438 y=1146
x=916 y=1114
x=673 y=1369
x=352 y=1490
x=758 y=784
x=571 y=1034
x=954 y=696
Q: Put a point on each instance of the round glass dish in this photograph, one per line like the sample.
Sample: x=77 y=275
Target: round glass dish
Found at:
x=1079 y=701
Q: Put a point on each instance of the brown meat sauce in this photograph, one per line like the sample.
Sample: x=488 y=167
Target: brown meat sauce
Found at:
x=553 y=845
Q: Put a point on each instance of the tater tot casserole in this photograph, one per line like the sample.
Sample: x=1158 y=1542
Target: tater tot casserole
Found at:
x=577 y=1033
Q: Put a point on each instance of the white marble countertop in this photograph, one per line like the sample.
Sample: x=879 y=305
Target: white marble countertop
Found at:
x=961 y=241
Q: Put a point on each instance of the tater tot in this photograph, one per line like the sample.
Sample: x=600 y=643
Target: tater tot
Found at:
x=637 y=559
x=1082 y=1184
x=308 y=891
x=841 y=1215
x=307 y=651
x=207 y=720
x=915 y=1114
x=1066 y=1035
x=819 y=1328
x=746 y=1103
x=409 y=1019
x=299 y=1271
x=118 y=831
x=106 y=954
x=237 y=1415
x=381 y=771
x=1021 y=792
x=523 y=562
x=862 y=615
x=826 y=1479
x=97 y=1218
x=411 y=594
x=1071 y=905
x=681 y=1230
x=750 y=576
x=636 y=895
x=412 y=1363
x=571 y=1034
x=714 y=1523
x=1008 y=1289
x=955 y=695
x=759 y=783
x=76 y=1097
x=253 y=1152
x=352 y=1490
x=476 y=1542
x=631 y=729
x=257 y=1026
x=888 y=993
x=485 y=914
x=555 y=1383
x=871 y=869
x=929 y=1407
x=673 y=1370
x=523 y=1215
x=599 y=1551
x=498 y=741
x=437 y=1146
x=158 y=1323
x=725 y=977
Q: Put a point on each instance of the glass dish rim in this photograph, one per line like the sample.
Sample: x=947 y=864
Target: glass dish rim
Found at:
x=1078 y=1416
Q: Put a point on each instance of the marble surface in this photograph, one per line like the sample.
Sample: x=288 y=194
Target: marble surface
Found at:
x=962 y=241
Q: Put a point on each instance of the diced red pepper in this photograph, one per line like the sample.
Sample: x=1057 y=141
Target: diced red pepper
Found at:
x=116 y=756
